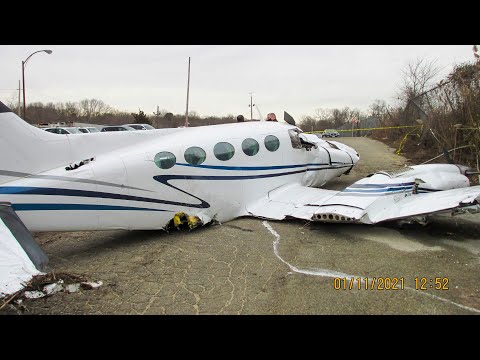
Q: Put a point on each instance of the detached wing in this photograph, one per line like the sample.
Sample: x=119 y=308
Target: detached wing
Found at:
x=364 y=203
x=454 y=202
x=20 y=256
x=290 y=200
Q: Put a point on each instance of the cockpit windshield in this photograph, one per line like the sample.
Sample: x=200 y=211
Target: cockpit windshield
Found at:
x=295 y=138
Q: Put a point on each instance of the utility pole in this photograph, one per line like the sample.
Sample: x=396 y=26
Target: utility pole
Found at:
x=19 y=88
x=251 y=106
x=188 y=91
x=157 y=114
x=23 y=79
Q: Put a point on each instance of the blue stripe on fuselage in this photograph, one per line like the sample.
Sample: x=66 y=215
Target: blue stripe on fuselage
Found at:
x=164 y=178
x=82 y=207
x=246 y=168
x=21 y=190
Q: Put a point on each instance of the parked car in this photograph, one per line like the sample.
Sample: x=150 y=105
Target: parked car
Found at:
x=117 y=128
x=89 y=129
x=141 y=126
x=63 y=130
x=330 y=133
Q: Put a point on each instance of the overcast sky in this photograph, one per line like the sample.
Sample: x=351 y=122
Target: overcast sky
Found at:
x=298 y=79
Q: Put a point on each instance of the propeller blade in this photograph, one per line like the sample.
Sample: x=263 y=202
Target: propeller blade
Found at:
x=288 y=118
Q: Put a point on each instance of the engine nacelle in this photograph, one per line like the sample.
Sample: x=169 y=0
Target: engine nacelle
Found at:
x=441 y=181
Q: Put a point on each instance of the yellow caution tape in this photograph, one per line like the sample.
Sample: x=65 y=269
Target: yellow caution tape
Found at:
x=402 y=143
x=378 y=128
x=404 y=140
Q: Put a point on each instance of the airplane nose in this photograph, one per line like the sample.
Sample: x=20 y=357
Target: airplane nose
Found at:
x=355 y=156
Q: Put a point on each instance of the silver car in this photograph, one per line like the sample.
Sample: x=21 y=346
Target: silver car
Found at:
x=330 y=133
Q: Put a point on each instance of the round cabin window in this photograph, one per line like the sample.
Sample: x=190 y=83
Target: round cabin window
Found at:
x=165 y=160
x=250 y=147
x=224 y=151
x=195 y=155
x=272 y=143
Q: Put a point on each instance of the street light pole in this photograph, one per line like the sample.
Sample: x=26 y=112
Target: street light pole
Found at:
x=24 y=63
x=188 y=92
x=23 y=80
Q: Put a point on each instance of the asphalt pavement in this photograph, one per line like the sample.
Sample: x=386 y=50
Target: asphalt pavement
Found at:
x=252 y=266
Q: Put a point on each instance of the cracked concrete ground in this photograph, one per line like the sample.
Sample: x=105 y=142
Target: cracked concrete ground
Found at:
x=232 y=268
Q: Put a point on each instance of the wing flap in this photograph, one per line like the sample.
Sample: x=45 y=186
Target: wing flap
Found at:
x=290 y=200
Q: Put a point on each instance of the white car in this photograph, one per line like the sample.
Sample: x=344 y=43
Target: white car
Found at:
x=141 y=126
x=89 y=129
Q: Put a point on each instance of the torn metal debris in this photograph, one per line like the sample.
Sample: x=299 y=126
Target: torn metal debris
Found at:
x=45 y=285
x=181 y=220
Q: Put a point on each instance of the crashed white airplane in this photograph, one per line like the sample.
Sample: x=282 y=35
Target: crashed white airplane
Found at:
x=150 y=179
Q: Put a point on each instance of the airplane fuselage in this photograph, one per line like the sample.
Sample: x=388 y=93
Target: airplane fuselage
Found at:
x=211 y=172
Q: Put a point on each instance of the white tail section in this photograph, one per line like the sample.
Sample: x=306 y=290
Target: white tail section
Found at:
x=27 y=149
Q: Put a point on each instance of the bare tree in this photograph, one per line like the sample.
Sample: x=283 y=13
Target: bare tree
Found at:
x=417 y=76
x=90 y=108
x=12 y=103
x=341 y=116
x=378 y=108
x=322 y=114
x=71 y=109
x=308 y=123
x=193 y=114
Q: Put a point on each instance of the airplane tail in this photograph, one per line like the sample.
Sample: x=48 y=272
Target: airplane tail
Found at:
x=25 y=149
